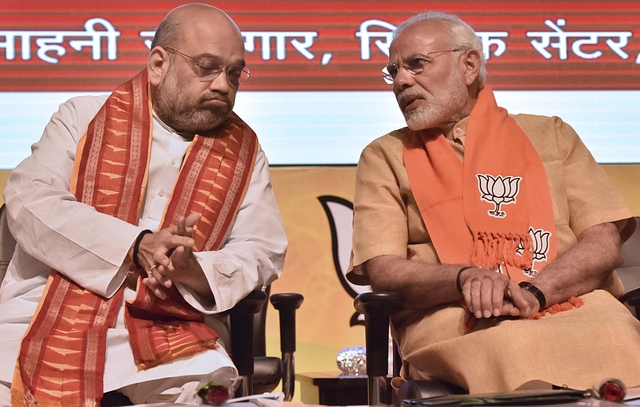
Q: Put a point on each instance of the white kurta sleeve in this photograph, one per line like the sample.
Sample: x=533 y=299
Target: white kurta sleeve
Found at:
x=47 y=221
x=252 y=255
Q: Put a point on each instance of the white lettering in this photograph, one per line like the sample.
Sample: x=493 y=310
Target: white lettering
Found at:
x=493 y=38
x=10 y=44
x=581 y=38
x=281 y=38
x=50 y=41
x=365 y=38
x=95 y=42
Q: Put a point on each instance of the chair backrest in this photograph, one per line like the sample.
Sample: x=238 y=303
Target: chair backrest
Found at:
x=7 y=243
x=629 y=272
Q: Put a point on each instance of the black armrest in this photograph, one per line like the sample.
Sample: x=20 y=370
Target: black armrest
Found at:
x=378 y=303
x=241 y=321
x=377 y=307
x=632 y=299
x=287 y=304
x=242 y=337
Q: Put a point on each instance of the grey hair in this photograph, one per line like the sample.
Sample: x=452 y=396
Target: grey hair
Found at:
x=461 y=35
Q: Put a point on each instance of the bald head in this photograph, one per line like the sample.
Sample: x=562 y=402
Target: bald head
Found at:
x=194 y=68
x=188 y=17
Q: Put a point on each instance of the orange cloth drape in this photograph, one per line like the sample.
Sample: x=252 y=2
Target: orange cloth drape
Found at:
x=490 y=210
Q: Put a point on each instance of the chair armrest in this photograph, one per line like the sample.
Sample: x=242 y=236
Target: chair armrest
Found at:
x=378 y=303
x=631 y=297
x=287 y=304
x=377 y=307
x=241 y=321
x=250 y=304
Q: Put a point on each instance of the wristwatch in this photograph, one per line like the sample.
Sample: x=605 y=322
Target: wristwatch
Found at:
x=525 y=285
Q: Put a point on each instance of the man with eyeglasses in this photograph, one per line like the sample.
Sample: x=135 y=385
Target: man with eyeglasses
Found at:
x=147 y=214
x=501 y=231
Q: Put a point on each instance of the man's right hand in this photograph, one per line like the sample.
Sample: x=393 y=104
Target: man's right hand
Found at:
x=159 y=246
x=488 y=293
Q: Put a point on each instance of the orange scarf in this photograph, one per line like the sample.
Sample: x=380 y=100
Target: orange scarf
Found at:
x=62 y=356
x=493 y=211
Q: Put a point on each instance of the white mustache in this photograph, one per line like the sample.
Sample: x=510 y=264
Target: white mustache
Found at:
x=408 y=93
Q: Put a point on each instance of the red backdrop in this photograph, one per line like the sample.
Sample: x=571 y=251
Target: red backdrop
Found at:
x=598 y=46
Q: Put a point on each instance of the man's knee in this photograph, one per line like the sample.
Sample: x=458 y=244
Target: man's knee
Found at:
x=170 y=390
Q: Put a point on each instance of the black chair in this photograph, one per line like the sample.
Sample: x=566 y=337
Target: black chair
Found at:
x=377 y=307
x=259 y=373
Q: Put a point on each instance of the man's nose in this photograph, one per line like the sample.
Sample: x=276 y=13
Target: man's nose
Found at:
x=403 y=78
x=220 y=83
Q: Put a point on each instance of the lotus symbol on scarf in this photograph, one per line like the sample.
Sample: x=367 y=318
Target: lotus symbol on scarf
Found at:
x=498 y=191
x=540 y=241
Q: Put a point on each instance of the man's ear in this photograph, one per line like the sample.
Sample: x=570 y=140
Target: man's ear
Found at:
x=157 y=65
x=471 y=61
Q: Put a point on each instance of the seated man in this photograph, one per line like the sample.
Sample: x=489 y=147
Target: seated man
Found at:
x=139 y=218
x=490 y=225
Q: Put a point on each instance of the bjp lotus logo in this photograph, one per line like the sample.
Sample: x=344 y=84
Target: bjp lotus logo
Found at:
x=540 y=241
x=498 y=191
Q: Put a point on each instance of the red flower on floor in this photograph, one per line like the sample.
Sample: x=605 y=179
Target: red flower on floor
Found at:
x=612 y=390
x=213 y=393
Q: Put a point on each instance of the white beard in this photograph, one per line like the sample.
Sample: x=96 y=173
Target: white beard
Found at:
x=444 y=107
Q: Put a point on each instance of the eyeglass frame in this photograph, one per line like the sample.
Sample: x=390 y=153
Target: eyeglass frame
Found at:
x=389 y=79
x=212 y=76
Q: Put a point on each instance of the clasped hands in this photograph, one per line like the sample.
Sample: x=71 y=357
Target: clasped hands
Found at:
x=168 y=258
x=488 y=293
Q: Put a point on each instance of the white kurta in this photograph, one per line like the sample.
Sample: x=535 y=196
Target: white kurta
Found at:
x=53 y=230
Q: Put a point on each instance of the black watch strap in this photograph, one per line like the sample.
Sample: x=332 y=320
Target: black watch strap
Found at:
x=525 y=285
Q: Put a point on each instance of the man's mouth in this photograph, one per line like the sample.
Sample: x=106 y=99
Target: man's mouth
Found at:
x=218 y=102
x=409 y=102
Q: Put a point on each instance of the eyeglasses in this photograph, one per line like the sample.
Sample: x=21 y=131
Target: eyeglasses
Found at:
x=415 y=66
x=207 y=69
